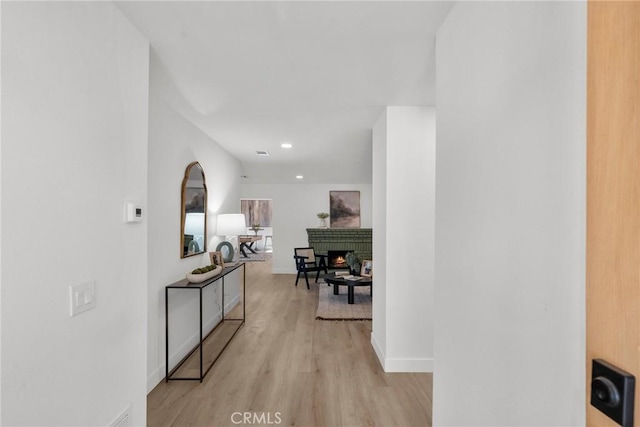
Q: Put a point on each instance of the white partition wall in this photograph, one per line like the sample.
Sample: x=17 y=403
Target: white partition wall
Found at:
x=510 y=215
x=75 y=99
x=403 y=238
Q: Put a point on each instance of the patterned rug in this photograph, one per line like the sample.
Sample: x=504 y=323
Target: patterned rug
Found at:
x=336 y=307
x=260 y=256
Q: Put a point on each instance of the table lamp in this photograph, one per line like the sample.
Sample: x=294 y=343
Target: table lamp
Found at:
x=231 y=226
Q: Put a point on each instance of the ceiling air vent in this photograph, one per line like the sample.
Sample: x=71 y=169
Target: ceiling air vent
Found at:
x=262 y=153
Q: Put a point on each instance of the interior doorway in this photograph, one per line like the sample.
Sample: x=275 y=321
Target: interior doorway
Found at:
x=258 y=214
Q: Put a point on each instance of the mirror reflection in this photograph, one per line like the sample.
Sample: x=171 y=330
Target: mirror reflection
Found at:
x=194 y=207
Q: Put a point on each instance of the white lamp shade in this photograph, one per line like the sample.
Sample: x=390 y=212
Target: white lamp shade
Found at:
x=194 y=224
x=231 y=225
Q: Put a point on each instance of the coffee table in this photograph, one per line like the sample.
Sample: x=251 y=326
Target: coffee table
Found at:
x=338 y=281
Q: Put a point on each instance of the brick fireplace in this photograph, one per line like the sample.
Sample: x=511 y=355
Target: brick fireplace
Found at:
x=359 y=240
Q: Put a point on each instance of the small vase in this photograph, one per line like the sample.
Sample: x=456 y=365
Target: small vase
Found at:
x=323 y=223
x=355 y=270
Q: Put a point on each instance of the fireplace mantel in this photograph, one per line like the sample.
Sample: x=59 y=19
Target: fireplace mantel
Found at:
x=346 y=239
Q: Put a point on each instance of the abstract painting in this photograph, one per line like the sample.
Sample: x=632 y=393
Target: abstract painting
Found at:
x=344 y=209
x=256 y=211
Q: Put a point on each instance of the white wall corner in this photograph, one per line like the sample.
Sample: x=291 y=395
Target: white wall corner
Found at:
x=379 y=351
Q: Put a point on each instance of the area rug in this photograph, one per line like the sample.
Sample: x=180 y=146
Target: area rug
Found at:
x=260 y=256
x=336 y=307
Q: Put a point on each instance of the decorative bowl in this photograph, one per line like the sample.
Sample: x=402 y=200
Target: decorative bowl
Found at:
x=199 y=278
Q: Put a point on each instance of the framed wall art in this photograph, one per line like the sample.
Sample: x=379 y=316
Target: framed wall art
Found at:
x=256 y=211
x=367 y=268
x=344 y=209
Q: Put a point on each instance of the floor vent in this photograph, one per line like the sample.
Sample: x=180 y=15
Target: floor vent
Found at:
x=123 y=420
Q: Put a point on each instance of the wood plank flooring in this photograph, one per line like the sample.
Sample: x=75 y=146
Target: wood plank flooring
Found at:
x=284 y=365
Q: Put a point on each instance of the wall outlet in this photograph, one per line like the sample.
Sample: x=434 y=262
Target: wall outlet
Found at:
x=82 y=298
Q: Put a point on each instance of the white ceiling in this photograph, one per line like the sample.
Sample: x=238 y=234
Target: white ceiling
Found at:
x=316 y=74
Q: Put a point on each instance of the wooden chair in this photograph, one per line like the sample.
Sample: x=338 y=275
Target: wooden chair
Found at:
x=308 y=261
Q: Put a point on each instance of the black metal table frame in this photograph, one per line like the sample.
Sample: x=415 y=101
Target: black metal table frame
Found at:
x=184 y=284
x=248 y=245
x=338 y=281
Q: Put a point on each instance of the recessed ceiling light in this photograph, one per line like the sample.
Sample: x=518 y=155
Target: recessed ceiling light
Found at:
x=262 y=153
x=299 y=176
x=286 y=145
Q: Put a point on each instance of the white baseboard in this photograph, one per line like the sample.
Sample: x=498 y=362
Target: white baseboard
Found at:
x=154 y=378
x=377 y=349
x=408 y=365
x=401 y=364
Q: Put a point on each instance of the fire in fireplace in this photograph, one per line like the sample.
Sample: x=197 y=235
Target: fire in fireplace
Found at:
x=337 y=259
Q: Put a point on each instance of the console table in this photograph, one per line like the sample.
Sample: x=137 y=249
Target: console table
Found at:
x=185 y=285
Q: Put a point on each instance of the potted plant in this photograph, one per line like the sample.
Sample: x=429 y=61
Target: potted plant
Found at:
x=323 y=219
x=354 y=262
x=255 y=228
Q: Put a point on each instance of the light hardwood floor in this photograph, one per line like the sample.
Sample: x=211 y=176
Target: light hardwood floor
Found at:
x=284 y=365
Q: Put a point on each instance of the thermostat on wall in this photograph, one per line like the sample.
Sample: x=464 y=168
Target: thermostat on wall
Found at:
x=132 y=212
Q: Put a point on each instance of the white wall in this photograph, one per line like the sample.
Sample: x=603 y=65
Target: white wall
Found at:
x=295 y=207
x=74 y=147
x=0 y=216
x=404 y=221
x=510 y=215
x=174 y=142
x=379 y=329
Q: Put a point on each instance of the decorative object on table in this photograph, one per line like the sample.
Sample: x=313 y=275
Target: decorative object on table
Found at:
x=354 y=262
x=199 y=275
x=256 y=228
x=193 y=221
x=256 y=211
x=367 y=268
x=226 y=249
x=344 y=208
x=217 y=258
x=231 y=226
x=323 y=219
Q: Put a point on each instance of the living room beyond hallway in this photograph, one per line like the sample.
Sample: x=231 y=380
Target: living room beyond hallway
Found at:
x=286 y=367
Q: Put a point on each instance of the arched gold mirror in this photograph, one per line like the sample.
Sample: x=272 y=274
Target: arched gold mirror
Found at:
x=193 y=225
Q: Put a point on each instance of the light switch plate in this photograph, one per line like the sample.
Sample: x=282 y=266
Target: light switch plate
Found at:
x=82 y=298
